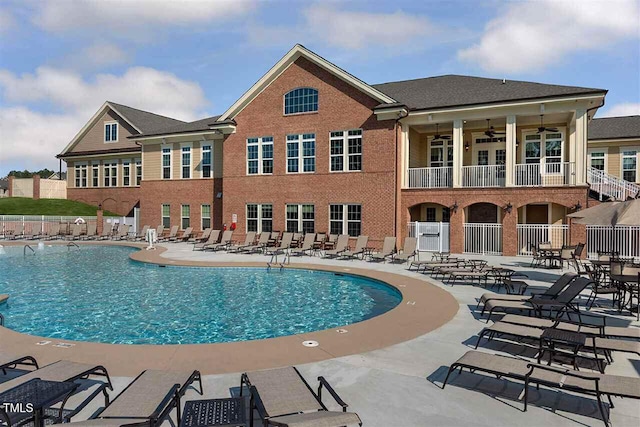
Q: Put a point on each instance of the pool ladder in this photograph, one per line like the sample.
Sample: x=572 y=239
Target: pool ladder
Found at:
x=274 y=261
x=24 y=251
x=71 y=244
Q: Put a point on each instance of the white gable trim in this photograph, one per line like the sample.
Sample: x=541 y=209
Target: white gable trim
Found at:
x=92 y=121
x=296 y=52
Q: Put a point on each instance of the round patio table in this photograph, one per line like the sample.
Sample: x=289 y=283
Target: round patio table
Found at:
x=630 y=283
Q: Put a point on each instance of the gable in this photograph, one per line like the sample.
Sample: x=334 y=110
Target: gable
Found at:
x=93 y=137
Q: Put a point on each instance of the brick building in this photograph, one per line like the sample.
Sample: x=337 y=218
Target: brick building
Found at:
x=310 y=147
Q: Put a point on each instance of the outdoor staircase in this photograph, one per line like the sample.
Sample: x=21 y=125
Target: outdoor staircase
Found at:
x=610 y=187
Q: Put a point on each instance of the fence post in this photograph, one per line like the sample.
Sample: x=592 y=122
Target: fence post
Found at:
x=440 y=236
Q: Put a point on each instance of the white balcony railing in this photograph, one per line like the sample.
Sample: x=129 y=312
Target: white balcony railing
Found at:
x=545 y=174
x=440 y=177
x=611 y=186
x=483 y=176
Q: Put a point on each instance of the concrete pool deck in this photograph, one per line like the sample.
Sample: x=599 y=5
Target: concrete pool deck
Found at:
x=399 y=385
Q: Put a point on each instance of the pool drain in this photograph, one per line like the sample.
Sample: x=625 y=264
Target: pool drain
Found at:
x=310 y=343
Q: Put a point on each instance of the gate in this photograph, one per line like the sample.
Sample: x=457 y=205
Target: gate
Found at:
x=432 y=236
x=531 y=235
x=483 y=239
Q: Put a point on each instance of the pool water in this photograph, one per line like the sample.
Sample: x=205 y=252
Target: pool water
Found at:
x=96 y=293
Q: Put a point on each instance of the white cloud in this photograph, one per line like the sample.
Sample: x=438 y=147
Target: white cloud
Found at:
x=528 y=36
x=99 y=55
x=623 y=109
x=7 y=22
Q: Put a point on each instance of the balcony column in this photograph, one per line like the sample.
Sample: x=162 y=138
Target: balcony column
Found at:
x=581 y=147
x=510 y=152
x=458 y=152
x=404 y=155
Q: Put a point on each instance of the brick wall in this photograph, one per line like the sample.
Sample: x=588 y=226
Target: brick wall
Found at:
x=119 y=200
x=341 y=107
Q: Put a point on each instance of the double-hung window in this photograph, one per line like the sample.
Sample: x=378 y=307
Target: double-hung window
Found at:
x=185 y=165
x=81 y=175
x=553 y=152
x=138 y=171
x=301 y=100
x=301 y=218
x=345 y=219
x=166 y=216
x=205 y=166
x=95 y=174
x=185 y=216
x=346 y=150
x=126 y=173
x=111 y=132
x=630 y=165
x=301 y=153
x=110 y=174
x=532 y=148
x=166 y=162
x=260 y=218
x=260 y=155
x=205 y=216
x=441 y=153
x=597 y=159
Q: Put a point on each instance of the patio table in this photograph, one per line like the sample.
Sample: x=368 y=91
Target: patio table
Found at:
x=629 y=282
x=230 y=412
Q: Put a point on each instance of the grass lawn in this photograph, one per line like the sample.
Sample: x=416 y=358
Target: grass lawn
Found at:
x=26 y=206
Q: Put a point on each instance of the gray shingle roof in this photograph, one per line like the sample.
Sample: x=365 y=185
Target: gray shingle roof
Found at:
x=454 y=90
x=196 y=126
x=145 y=121
x=614 y=128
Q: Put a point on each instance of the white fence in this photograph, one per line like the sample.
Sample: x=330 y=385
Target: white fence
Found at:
x=606 y=238
x=484 y=239
x=37 y=224
x=545 y=174
x=533 y=234
x=441 y=177
x=483 y=176
x=432 y=236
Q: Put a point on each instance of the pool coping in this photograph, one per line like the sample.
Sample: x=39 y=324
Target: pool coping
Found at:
x=424 y=308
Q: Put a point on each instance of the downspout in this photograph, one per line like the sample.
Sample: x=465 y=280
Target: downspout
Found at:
x=589 y=109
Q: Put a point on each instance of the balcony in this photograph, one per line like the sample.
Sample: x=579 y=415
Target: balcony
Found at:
x=483 y=176
x=440 y=177
x=545 y=174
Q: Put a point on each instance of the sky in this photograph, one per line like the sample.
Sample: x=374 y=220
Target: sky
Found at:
x=60 y=60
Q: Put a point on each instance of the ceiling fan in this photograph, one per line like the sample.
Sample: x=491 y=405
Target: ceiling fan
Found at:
x=491 y=132
x=542 y=128
x=438 y=136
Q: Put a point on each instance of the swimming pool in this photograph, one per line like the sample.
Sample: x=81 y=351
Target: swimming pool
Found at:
x=96 y=293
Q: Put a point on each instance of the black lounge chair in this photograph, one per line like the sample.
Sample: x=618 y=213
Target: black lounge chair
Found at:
x=11 y=361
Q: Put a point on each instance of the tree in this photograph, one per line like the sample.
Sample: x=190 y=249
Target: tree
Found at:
x=44 y=173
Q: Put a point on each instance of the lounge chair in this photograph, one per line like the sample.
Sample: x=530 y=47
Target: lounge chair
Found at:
x=562 y=303
x=307 y=245
x=361 y=247
x=159 y=231
x=318 y=244
x=213 y=238
x=75 y=232
x=408 y=250
x=284 y=398
x=106 y=232
x=260 y=246
x=203 y=236
x=148 y=400
x=11 y=361
x=341 y=245
x=184 y=236
x=123 y=232
x=248 y=241
x=172 y=233
x=142 y=234
x=225 y=241
x=592 y=384
x=435 y=259
x=330 y=242
x=53 y=232
x=285 y=244
x=388 y=249
x=550 y=293
x=91 y=231
x=17 y=232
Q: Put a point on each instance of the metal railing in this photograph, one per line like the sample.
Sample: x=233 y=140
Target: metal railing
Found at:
x=624 y=239
x=432 y=236
x=545 y=174
x=530 y=235
x=483 y=239
x=440 y=177
x=483 y=176
x=611 y=186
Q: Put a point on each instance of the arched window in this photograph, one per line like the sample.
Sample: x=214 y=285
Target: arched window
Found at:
x=301 y=100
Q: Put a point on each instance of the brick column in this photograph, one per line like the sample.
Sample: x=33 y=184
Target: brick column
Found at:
x=11 y=178
x=578 y=234
x=99 y=220
x=510 y=233
x=456 y=227
x=36 y=187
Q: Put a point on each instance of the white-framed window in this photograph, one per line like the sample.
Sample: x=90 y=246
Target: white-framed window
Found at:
x=166 y=163
x=260 y=155
x=205 y=215
x=185 y=162
x=110 y=174
x=138 y=171
x=629 y=163
x=532 y=143
x=111 y=132
x=301 y=218
x=440 y=153
x=81 y=175
x=346 y=151
x=301 y=153
x=301 y=100
x=95 y=174
x=598 y=159
x=546 y=148
x=185 y=216
x=166 y=215
x=259 y=217
x=126 y=173
x=205 y=166
x=345 y=219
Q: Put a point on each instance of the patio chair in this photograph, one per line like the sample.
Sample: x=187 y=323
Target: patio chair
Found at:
x=212 y=239
x=142 y=234
x=561 y=303
x=248 y=241
x=75 y=233
x=560 y=379
x=148 y=400
x=202 y=237
x=184 y=236
x=600 y=287
x=172 y=233
x=388 y=249
x=159 y=230
x=306 y=247
x=318 y=244
x=341 y=246
x=53 y=232
x=538 y=258
x=11 y=361
x=297 y=240
x=285 y=244
x=91 y=231
x=408 y=250
x=330 y=242
x=260 y=245
x=17 y=232
x=283 y=397
x=106 y=232
x=224 y=243
x=361 y=247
